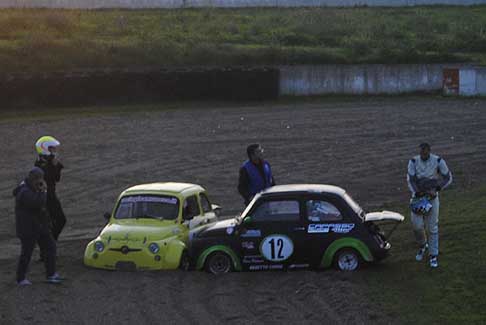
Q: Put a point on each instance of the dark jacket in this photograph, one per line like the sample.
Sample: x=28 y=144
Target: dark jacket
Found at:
x=30 y=210
x=52 y=173
x=253 y=179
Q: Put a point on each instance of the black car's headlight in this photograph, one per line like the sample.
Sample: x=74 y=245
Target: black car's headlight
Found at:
x=99 y=246
x=154 y=248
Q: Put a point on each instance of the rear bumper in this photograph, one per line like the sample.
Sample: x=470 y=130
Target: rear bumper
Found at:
x=382 y=252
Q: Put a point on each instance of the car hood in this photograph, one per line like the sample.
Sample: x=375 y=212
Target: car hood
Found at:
x=143 y=233
x=220 y=228
x=384 y=216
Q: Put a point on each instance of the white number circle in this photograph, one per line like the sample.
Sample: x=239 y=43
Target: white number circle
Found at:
x=276 y=248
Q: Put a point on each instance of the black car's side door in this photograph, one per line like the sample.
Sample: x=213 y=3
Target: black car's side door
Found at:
x=327 y=219
x=273 y=235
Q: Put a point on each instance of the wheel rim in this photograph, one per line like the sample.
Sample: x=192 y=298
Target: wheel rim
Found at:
x=348 y=261
x=219 y=264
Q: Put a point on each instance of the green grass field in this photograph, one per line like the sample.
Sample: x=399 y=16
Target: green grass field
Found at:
x=46 y=40
x=452 y=294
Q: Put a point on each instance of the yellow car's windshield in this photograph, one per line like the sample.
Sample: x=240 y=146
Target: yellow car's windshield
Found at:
x=148 y=206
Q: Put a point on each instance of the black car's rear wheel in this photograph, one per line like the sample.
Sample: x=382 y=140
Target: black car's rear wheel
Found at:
x=347 y=259
x=219 y=263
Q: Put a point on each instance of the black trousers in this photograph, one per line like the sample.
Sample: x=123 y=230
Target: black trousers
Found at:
x=57 y=218
x=47 y=246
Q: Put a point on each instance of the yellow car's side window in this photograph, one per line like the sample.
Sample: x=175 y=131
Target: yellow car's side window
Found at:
x=190 y=208
x=205 y=205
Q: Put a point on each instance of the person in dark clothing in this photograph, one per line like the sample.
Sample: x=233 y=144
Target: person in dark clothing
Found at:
x=49 y=163
x=255 y=174
x=31 y=225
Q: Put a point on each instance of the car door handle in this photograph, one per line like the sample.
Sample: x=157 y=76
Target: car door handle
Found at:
x=299 y=228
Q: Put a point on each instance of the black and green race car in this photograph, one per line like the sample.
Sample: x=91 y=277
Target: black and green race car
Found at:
x=293 y=227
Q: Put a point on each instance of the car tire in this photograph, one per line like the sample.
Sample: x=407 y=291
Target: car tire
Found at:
x=184 y=263
x=347 y=260
x=219 y=263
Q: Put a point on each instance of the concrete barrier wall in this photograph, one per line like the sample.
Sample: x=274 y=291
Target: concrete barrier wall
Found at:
x=122 y=87
x=472 y=81
x=467 y=82
x=138 y=4
x=257 y=83
x=481 y=82
x=304 y=80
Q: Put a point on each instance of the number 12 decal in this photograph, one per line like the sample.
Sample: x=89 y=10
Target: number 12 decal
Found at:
x=276 y=248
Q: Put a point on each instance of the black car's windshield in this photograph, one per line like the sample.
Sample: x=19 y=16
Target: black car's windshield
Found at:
x=355 y=206
x=148 y=206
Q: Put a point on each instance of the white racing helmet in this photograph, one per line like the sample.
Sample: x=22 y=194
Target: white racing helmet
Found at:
x=42 y=145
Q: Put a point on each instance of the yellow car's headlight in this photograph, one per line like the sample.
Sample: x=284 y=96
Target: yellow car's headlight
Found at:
x=99 y=246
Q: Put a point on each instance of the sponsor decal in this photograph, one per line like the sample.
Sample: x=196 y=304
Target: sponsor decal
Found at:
x=340 y=228
x=266 y=267
x=124 y=239
x=230 y=230
x=252 y=259
x=155 y=199
x=248 y=245
x=298 y=266
x=277 y=248
x=252 y=233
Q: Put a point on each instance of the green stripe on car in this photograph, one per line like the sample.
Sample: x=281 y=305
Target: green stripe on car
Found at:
x=218 y=248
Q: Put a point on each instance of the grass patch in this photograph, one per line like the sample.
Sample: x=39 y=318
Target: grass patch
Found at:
x=452 y=294
x=46 y=39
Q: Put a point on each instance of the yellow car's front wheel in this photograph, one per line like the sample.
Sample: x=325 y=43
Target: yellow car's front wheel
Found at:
x=185 y=261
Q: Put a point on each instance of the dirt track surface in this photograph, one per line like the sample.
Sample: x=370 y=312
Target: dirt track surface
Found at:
x=362 y=145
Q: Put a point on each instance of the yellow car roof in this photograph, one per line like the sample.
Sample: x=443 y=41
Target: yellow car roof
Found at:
x=165 y=187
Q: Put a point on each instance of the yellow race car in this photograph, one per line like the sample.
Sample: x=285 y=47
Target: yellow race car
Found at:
x=149 y=227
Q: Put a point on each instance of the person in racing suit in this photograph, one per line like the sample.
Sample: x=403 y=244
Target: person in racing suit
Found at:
x=427 y=175
x=49 y=162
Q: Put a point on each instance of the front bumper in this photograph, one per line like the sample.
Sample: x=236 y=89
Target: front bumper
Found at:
x=126 y=256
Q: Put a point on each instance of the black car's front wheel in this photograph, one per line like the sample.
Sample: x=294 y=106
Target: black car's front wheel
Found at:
x=219 y=263
x=347 y=259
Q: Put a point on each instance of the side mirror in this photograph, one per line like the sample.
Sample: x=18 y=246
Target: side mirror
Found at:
x=216 y=209
x=107 y=216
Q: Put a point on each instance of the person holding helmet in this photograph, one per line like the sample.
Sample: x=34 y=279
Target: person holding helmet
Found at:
x=255 y=174
x=48 y=161
x=427 y=175
x=32 y=226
